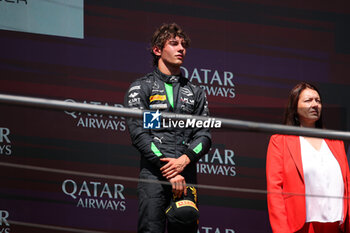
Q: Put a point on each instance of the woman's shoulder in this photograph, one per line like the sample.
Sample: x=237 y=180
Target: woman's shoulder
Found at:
x=283 y=137
x=335 y=142
x=279 y=136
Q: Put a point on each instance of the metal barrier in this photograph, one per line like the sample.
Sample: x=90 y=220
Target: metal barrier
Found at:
x=128 y=112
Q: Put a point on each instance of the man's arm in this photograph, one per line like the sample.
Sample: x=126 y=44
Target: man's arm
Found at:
x=137 y=98
x=199 y=143
x=200 y=139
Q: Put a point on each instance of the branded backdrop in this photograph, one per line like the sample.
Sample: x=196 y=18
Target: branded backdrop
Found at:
x=247 y=55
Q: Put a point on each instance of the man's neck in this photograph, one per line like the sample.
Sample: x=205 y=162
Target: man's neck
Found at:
x=168 y=69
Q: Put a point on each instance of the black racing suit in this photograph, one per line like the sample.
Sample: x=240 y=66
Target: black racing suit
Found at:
x=157 y=91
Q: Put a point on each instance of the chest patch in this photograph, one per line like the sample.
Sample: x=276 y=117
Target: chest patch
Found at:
x=157 y=97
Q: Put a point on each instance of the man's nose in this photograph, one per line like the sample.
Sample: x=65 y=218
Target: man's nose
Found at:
x=181 y=47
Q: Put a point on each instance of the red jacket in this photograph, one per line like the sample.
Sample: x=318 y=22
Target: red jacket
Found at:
x=284 y=173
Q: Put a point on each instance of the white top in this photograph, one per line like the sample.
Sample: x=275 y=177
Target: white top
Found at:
x=322 y=176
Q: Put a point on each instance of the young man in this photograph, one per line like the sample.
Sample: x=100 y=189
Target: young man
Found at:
x=167 y=154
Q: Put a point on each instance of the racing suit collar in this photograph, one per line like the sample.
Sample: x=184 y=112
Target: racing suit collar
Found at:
x=168 y=78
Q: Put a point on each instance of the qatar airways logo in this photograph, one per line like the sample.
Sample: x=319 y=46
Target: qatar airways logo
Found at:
x=96 y=195
x=219 y=161
x=97 y=121
x=5 y=142
x=4 y=222
x=214 y=82
x=206 y=229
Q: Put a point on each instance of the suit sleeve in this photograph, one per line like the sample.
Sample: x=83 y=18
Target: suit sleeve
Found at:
x=274 y=177
x=200 y=142
x=140 y=137
x=347 y=184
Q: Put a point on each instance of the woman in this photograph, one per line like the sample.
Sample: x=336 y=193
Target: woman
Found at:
x=307 y=178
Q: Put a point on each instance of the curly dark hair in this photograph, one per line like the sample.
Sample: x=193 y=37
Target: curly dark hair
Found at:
x=291 y=112
x=164 y=33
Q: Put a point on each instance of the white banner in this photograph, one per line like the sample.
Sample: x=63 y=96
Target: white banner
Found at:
x=50 y=17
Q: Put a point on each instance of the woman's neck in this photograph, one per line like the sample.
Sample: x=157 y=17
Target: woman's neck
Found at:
x=308 y=124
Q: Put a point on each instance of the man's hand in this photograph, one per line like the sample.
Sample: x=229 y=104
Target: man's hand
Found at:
x=174 y=166
x=179 y=185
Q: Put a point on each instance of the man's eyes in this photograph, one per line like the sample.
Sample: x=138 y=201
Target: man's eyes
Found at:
x=175 y=43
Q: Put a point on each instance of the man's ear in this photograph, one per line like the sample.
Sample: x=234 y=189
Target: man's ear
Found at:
x=157 y=51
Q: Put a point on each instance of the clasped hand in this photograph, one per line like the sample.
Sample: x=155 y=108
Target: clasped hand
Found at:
x=171 y=171
x=173 y=166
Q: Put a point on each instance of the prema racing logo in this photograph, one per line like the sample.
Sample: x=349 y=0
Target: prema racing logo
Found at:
x=152 y=120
